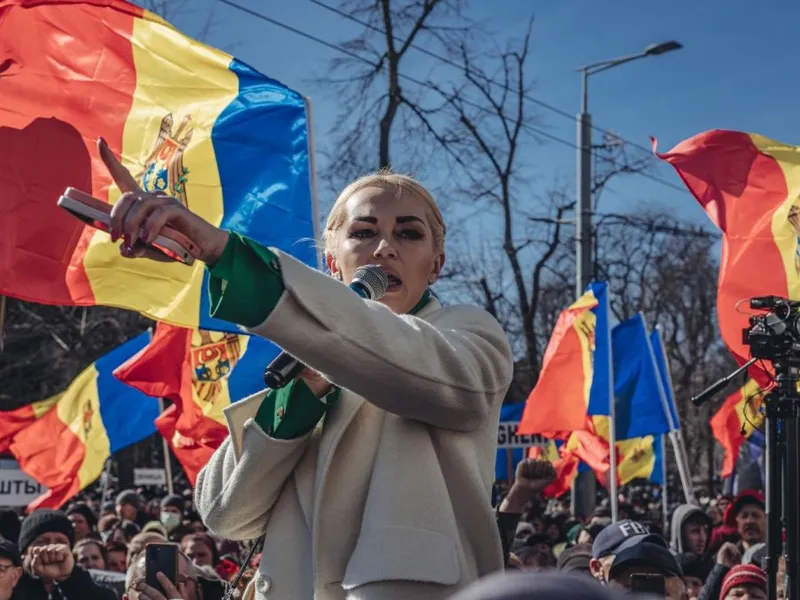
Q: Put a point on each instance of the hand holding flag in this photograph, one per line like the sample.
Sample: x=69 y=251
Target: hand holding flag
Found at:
x=139 y=216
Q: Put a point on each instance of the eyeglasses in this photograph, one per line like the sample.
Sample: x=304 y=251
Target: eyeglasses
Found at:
x=6 y=568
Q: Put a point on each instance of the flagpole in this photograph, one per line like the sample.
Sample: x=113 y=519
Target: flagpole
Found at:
x=165 y=446
x=312 y=180
x=2 y=319
x=674 y=429
x=664 y=484
x=612 y=426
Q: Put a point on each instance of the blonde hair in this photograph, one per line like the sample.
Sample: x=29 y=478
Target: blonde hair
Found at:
x=394 y=182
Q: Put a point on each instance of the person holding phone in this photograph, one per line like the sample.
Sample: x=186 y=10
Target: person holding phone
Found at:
x=389 y=497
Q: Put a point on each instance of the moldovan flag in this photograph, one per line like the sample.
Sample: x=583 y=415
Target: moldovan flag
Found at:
x=747 y=185
x=66 y=448
x=575 y=371
x=186 y=119
x=201 y=372
x=736 y=420
x=13 y=421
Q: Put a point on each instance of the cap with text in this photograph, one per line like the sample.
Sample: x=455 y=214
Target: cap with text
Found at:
x=622 y=535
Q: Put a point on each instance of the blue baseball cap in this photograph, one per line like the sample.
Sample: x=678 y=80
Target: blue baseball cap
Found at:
x=645 y=554
x=622 y=535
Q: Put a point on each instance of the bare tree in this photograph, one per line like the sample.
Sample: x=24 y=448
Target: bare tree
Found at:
x=384 y=111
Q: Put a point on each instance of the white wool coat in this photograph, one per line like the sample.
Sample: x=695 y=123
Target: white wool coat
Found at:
x=394 y=487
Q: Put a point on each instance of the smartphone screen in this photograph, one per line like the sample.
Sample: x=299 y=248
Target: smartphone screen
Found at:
x=161 y=558
x=648 y=584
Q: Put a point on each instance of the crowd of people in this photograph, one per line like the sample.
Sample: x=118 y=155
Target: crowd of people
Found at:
x=93 y=549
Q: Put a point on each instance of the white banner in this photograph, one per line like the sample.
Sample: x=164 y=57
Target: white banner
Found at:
x=17 y=488
x=507 y=437
x=149 y=477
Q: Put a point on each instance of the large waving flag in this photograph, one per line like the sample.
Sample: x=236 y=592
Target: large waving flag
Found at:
x=575 y=371
x=202 y=372
x=736 y=421
x=187 y=119
x=747 y=185
x=66 y=448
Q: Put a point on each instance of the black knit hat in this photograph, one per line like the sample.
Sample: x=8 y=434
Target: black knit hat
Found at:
x=45 y=521
x=173 y=500
x=9 y=550
x=84 y=509
x=130 y=497
x=9 y=525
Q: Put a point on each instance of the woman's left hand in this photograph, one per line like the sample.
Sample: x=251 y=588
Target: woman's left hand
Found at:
x=316 y=382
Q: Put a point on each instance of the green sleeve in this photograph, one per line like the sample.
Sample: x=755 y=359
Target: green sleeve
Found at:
x=292 y=411
x=246 y=283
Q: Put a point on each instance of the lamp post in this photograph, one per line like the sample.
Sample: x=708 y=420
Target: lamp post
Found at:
x=583 y=496
x=584 y=200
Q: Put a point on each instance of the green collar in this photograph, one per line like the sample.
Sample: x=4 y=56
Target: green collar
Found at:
x=422 y=302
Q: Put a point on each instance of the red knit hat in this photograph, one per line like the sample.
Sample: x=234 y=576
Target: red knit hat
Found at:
x=743 y=575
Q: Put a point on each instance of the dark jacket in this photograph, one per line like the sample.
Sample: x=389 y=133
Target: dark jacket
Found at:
x=78 y=586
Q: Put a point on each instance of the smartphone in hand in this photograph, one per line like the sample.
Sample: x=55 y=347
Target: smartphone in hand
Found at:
x=96 y=213
x=648 y=584
x=161 y=558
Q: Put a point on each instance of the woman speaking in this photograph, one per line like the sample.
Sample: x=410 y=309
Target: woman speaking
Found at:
x=370 y=474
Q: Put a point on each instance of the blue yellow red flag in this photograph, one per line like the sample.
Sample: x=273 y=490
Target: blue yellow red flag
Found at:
x=736 y=421
x=187 y=119
x=639 y=403
x=201 y=372
x=575 y=369
x=67 y=447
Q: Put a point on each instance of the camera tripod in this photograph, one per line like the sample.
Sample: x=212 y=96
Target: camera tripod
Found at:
x=782 y=406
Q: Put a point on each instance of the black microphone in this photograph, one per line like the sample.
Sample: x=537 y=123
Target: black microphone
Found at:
x=370 y=282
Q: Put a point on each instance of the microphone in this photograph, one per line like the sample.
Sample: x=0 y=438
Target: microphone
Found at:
x=369 y=282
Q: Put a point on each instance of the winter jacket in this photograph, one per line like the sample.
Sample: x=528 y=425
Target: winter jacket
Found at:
x=78 y=586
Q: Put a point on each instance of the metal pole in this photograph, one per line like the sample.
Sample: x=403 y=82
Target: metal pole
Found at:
x=664 y=486
x=584 y=485
x=773 y=485
x=583 y=255
x=167 y=460
x=612 y=426
x=312 y=182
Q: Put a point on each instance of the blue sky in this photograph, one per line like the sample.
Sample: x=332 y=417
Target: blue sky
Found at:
x=734 y=72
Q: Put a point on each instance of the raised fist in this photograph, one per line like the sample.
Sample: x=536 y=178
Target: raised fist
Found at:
x=54 y=562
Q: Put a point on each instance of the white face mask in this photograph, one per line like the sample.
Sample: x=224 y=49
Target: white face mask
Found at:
x=170 y=520
x=105 y=535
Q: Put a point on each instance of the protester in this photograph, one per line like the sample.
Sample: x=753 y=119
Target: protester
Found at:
x=744 y=582
x=647 y=558
x=576 y=559
x=49 y=570
x=691 y=530
x=116 y=557
x=10 y=568
x=9 y=525
x=201 y=549
x=695 y=573
x=188 y=587
x=89 y=554
x=746 y=514
x=171 y=515
x=129 y=507
x=106 y=526
x=727 y=558
x=83 y=520
x=614 y=539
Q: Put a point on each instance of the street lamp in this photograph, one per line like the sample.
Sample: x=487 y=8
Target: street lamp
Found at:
x=584 y=201
x=583 y=491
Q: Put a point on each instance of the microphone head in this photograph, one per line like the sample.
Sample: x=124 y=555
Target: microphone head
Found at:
x=373 y=278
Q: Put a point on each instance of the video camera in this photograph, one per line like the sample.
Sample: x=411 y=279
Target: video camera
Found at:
x=775 y=334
